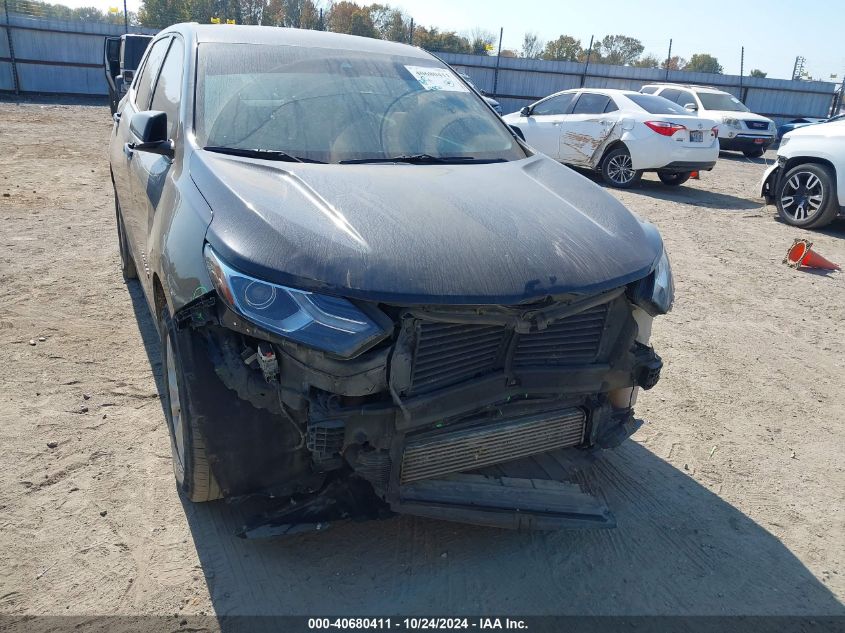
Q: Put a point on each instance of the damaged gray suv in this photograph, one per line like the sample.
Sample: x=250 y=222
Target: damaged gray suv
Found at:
x=372 y=296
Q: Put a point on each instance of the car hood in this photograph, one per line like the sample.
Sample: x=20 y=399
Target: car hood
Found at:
x=742 y=116
x=502 y=233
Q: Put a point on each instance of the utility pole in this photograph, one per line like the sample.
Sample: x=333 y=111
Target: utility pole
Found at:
x=411 y=34
x=668 y=59
x=15 y=81
x=125 y=18
x=498 y=57
x=587 y=63
x=741 y=73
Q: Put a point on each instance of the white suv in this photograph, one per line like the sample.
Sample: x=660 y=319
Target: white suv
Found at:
x=740 y=129
x=807 y=183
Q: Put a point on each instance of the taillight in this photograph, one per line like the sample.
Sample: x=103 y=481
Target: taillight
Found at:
x=715 y=130
x=664 y=127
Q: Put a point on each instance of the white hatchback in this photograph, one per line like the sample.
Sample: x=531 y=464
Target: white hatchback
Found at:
x=621 y=133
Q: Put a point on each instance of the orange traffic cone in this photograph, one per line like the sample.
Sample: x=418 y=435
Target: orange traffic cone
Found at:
x=800 y=254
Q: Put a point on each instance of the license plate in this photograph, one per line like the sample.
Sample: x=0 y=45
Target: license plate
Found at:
x=696 y=136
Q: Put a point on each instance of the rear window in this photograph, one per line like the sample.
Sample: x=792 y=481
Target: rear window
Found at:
x=656 y=105
x=721 y=101
x=649 y=90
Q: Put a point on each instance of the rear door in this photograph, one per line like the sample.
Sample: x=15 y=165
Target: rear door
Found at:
x=584 y=130
x=542 y=128
x=151 y=173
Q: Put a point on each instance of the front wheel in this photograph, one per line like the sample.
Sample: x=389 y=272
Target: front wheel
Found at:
x=673 y=179
x=806 y=196
x=754 y=153
x=191 y=466
x=617 y=169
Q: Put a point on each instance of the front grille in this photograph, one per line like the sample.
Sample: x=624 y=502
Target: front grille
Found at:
x=448 y=353
x=571 y=341
x=493 y=443
x=757 y=125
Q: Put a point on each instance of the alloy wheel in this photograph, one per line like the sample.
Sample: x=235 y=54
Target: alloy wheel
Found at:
x=620 y=169
x=802 y=196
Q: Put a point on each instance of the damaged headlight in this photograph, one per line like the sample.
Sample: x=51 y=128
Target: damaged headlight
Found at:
x=656 y=293
x=332 y=324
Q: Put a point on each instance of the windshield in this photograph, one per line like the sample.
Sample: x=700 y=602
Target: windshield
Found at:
x=721 y=101
x=655 y=105
x=334 y=106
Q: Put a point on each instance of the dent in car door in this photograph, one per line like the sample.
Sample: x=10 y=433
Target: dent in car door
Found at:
x=542 y=128
x=585 y=130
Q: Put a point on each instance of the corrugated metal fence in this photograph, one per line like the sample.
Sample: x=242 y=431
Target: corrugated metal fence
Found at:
x=522 y=81
x=55 y=56
x=66 y=57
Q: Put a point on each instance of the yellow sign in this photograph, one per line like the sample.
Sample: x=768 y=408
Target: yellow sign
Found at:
x=215 y=20
x=488 y=47
x=113 y=10
x=230 y=21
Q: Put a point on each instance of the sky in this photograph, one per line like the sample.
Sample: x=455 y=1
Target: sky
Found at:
x=773 y=32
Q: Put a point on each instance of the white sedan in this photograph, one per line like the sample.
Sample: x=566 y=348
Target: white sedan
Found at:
x=621 y=133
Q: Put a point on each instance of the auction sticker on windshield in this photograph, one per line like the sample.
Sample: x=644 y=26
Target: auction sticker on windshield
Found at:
x=436 y=78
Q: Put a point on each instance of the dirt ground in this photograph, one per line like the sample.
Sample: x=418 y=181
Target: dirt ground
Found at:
x=728 y=501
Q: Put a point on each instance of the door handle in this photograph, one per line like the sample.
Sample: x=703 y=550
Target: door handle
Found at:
x=127 y=149
x=116 y=117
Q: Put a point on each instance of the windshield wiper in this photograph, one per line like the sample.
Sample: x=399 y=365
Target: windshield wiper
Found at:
x=420 y=159
x=264 y=154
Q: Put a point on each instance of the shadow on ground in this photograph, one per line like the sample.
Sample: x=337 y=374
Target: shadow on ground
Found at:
x=678 y=549
x=684 y=194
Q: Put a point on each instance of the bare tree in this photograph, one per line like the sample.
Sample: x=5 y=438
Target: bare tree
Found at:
x=532 y=46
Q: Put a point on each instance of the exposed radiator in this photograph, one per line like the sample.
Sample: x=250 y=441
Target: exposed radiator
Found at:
x=570 y=341
x=449 y=353
x=491 y=443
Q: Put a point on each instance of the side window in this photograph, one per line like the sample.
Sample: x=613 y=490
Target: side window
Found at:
x=649 y=91
x=590 y=103
x=555 y=105
x=144 y=87
x=611 y=106
x=684 y=98
x=671 y=94
x=168 y=89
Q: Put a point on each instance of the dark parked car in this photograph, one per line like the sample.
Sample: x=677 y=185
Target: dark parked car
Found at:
x=364 y=282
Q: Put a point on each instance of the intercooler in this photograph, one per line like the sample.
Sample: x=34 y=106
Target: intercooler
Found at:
x=491 y=443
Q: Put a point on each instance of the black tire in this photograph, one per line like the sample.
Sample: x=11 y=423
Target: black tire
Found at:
x=191 y=468
x=754 y=153
x=806 y=196
x=673 y=179
x=617 y=170
x=127 y=264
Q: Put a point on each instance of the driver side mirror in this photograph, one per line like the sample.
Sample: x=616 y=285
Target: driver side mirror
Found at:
x=691 y=107
x=525 y=111
x=150 y=128
x=128 y=76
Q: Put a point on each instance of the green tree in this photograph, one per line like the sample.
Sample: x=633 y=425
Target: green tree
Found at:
x=704 y=63
x=392 y=24
x=673 y=63
x=619 y=50
x=297 y=14
x=348 y=17
x=647 y=61
x=447 y=42
x=757 y=73
x=564 y=49
x=532 y=46
x=162 y=13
